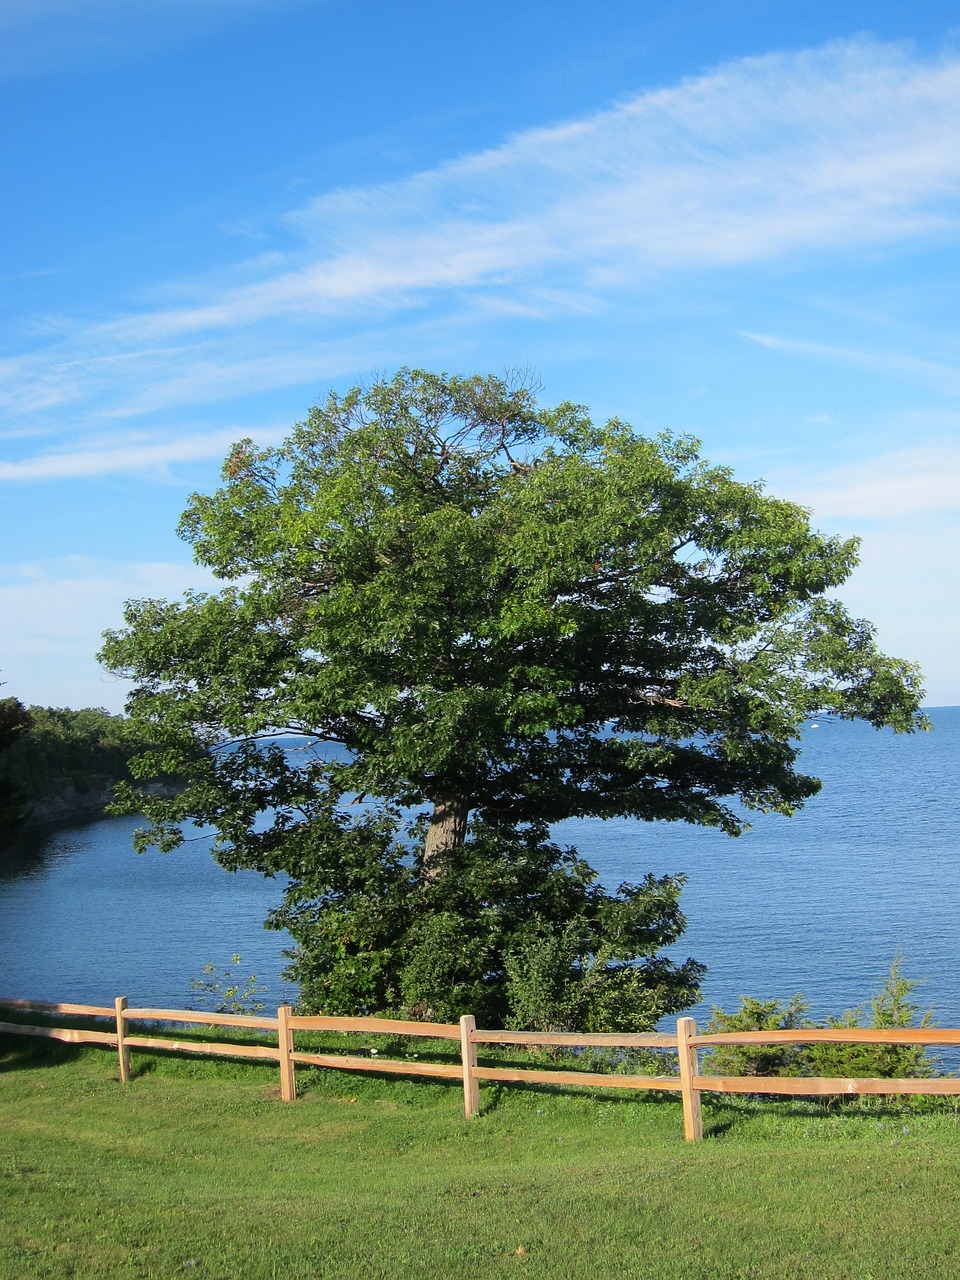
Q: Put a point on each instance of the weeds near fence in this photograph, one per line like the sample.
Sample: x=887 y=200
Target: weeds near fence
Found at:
x=226 y=990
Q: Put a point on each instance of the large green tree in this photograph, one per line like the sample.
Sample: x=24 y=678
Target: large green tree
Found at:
x=476 y=618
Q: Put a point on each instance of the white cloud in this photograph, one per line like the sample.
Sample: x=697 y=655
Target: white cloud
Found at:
x=852 y=145
x=893 y=486
x=52 y=614
x=843 y=148
x=130 y=455
x=905 y=507
x=941 y=377
x=904 y=585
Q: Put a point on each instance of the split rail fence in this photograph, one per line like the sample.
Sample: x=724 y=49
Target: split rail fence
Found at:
x=686 y=1043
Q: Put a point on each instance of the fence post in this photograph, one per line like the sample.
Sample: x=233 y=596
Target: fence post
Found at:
x=689 y=1067
x=288 y=1083
x=123 y=1053
x=468 y=1056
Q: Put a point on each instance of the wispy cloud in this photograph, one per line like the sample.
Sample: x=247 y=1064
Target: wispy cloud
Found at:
x=903 y=483
x=840 y=149
x=101 y=459
x=856 y=144
x=943 y=377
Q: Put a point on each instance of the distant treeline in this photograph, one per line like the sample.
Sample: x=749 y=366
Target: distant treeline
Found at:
x=58 y=763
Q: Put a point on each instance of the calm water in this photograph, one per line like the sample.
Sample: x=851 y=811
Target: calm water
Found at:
x=818 y=903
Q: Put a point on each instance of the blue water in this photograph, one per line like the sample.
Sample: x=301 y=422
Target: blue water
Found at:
x=820 y=903
x=84 y=918
x=816 y=904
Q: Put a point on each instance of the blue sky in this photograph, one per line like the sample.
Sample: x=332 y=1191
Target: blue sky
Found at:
x=737 y=221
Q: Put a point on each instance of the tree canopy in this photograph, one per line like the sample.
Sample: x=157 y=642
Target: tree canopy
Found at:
x=473 y=617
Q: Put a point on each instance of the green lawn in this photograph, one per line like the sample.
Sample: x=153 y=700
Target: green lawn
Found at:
x=197 y=1169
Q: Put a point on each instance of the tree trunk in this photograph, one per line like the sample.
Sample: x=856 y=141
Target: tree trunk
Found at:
x=447 y=831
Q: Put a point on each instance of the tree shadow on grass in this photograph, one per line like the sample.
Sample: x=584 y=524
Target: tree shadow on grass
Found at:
x=31 y=1053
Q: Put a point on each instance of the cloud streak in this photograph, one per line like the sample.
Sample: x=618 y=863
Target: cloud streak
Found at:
x=130 y=455
x=942 y=377
x=39 y=36
x=852 y=145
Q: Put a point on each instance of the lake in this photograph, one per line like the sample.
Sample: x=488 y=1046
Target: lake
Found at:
x=816 y=904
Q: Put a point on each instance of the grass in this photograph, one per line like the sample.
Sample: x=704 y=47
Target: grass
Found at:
x=197 y=1169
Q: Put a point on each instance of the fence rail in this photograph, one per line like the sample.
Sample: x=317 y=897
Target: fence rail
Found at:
x=689 y=1082
x=837 y=1035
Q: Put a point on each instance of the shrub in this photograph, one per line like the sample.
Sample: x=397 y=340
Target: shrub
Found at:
x=890 y=1008
x=759 y=1060
x=227 y=989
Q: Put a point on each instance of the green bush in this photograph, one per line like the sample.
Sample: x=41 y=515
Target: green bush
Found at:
x=890 y=1008
x=513 y=929
x=759 y=1060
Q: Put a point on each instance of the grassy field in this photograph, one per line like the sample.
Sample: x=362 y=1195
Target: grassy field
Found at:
x=197 y=1169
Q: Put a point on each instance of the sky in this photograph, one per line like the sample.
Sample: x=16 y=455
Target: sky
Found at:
x=739 y=221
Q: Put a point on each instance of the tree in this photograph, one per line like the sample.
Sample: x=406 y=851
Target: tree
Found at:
x=56 y=762
x=505 y=616
x=15 y=719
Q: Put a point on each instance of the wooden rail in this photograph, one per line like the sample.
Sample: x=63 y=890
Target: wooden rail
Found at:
x=837 y=1035
x=119 y=1038
x=694 y=1084
x=378 y=1026
x=686 y=1043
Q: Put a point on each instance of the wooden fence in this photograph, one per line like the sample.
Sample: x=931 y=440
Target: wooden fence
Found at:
x=686 y=1043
